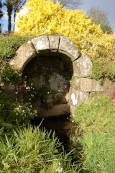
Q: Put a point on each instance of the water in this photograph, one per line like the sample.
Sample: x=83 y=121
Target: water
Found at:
x=62 y=125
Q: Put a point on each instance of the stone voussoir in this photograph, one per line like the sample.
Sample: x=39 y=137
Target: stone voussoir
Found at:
x=82 y=67
x=23 y=55
x=54 y=42
x=86 y=85
x=67 y=47
x=41 y=43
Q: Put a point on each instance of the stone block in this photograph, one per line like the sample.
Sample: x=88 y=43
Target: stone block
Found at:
x=67 y=47
x=75 y=98
x=41 y=43
x=53 y=42
x=82 y=67
x=23 y=55
x=86 y=85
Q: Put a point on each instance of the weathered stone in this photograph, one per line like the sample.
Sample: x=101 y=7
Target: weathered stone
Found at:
x=87 y=85
x=53 y=42
x=67 y=47
x=41 y=43
x=75 y=98
x=23 y=55
x=56 y=110
x=38 y=83
x=82 y=67
x=58 y=83
x=96 y=94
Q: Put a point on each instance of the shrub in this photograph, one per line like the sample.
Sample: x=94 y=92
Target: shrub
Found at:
x=9 y=75
x=33 y=151
x=96 y=124
x=103 y=70
x=14 y=114
x=46 y=17
x=9 y=45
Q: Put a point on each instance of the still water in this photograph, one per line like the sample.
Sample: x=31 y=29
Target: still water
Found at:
x=62 y=125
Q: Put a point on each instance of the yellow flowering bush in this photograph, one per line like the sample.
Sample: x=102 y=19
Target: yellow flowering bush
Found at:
x=47 y=17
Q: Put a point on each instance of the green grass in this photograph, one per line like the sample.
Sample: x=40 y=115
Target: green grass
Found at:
x=33 y=151
x=97 y=135
x=103 y=70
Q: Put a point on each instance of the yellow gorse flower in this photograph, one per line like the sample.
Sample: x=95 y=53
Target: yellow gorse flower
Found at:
x=47 y=17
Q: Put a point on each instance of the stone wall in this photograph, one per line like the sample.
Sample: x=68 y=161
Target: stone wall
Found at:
x=80 y=84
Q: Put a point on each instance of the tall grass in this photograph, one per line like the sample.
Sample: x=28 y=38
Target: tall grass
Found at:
x=97 y=135
x=33 y=151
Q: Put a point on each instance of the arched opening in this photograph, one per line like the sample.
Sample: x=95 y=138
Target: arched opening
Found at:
x=49 y=74
x=50 y=62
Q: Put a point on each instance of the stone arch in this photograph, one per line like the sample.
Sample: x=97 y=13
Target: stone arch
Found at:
x=46 y=44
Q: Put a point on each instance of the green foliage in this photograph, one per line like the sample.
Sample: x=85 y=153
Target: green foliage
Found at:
x=106 y=29
x=96 y=72
x=103 y=69
x=9 y=75
x=96 y=119
x=14 y=113
x=31 y=150
x=9 y=45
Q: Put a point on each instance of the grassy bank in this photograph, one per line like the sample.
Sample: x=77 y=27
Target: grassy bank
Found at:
x=96 y=131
